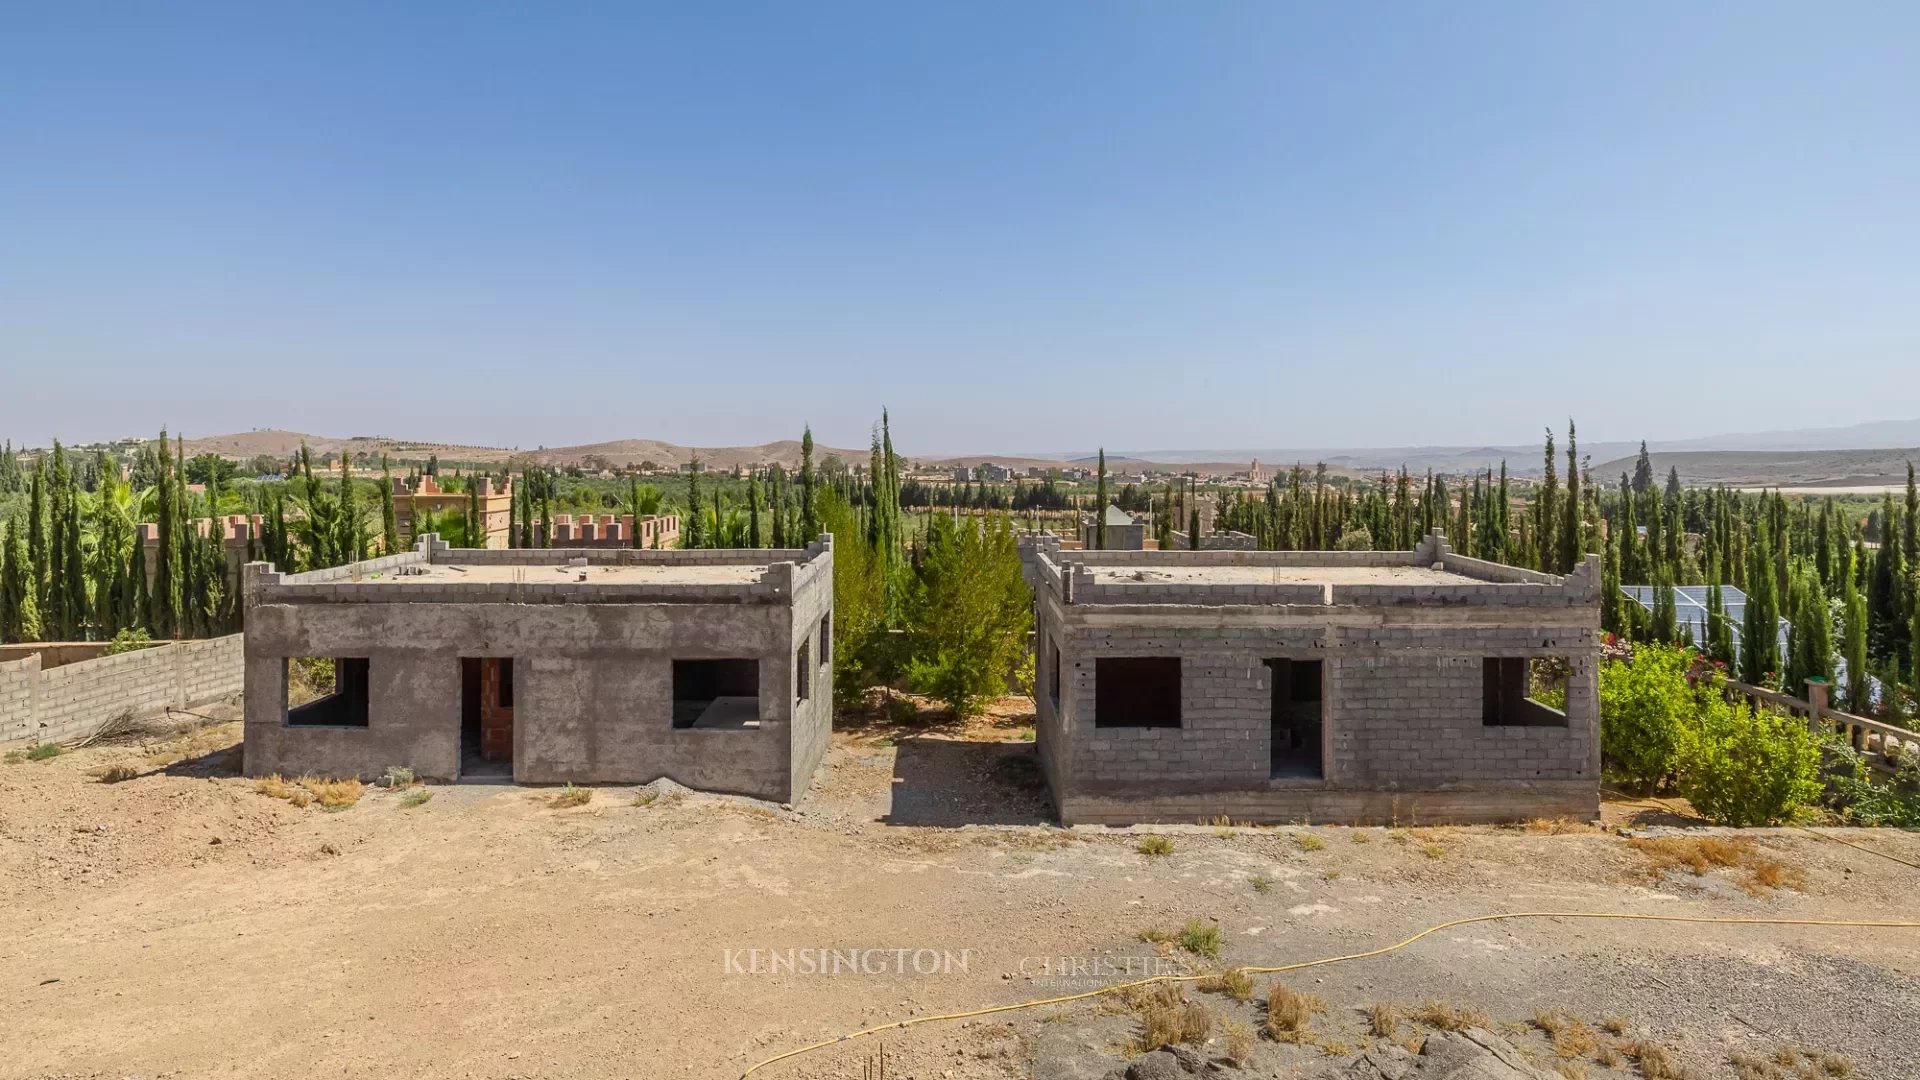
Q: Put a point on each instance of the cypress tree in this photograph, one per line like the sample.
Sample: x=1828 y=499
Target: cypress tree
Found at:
x=1642 y=471
x=1760 y=634
x=809 y=513
x=1810 y=634
x=1100 y=505
x=1611 y=597
x=353 y=538
x=1719 y=626
x=1193 y=529
x=140 y=611
x=389 y=520
x=694 y=535
x=1665 y=629
x=1572 y=536
x=753 y=509
x=165 y=602
x=17 y=600
x=476 y=521
x=39 y=558
x=1859 y=699
x=778 y=507
x=73 y=568
x=1884 y=610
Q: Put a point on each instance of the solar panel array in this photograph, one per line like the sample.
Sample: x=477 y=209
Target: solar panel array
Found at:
x=1690 y=608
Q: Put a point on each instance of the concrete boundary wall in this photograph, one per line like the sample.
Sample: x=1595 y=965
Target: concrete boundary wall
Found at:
x=73 y=701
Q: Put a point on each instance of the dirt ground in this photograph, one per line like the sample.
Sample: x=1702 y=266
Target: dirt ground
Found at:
x=179 y=923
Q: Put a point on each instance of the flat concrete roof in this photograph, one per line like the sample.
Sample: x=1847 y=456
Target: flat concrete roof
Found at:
x=520 y=574
x=1274 y=575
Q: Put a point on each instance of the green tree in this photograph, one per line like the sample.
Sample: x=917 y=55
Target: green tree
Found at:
x=753 y=509
x=1572 y=533
x=809 y=513
x=1760 y=631
x=1810 y=633
x=1719 y=626
x=1859 y=697
x=1100 y=504
x=694 y=534
x=1546 y=523
x=19 y=606
x=389 y=521
x=969 y=612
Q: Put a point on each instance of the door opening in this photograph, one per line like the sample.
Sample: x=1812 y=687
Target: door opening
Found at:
x=486 y=716
x=1296 y=722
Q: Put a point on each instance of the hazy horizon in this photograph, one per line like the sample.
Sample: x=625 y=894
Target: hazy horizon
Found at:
x=1016 y=227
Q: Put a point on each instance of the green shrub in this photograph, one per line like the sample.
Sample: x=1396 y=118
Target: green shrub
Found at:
x=45 y=750
x=969 y=611
x=1853 y=789
x=1743 y=767
x=129 y=640
x=1642 y=706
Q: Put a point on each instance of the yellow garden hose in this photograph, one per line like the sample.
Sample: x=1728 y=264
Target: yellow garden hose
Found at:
x=918 y=1020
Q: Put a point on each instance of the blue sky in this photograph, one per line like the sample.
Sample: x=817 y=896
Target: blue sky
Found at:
x=1019 y=226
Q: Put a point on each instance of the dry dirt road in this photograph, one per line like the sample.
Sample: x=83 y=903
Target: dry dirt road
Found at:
x=181 y=924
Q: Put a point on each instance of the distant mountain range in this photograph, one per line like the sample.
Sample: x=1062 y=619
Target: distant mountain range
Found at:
x=1525 y=459
x=1857 y=454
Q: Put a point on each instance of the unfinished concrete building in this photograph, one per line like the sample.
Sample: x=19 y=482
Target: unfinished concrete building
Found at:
x=548 y=665
x=1328 y=686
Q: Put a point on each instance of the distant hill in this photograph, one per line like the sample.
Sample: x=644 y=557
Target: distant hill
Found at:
x=1859 y=455
x=1772 y=468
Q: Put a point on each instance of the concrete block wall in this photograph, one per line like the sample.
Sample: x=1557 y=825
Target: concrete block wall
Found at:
x=593 y=680
x=1402 y=692
x=73 y=701
x=19 y=700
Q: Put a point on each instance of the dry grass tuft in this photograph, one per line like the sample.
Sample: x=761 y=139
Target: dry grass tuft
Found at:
x=330 y=794
x=1289 y=1012
x=1439 y=1014
x=1383 y=1019
x=1308 y=841
x=570 y=796
x=1362 y=836
x=1166 y=1016
x=1837 y=1065
x=1571 y=1036
x=333 y=794
x=1240 y=1039
x=1153 y=844
x=1412 y=1042
x=114 y=774
x=275 y=787
x=645 y=798
x=1572 y=1070
x=1700 y=854
x=1613 y=1025
x=415 y=797
x=1261 y=883
x=1559 y=826
x=1607 y=1057
x=1233 y=982
x=1656 y=1062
